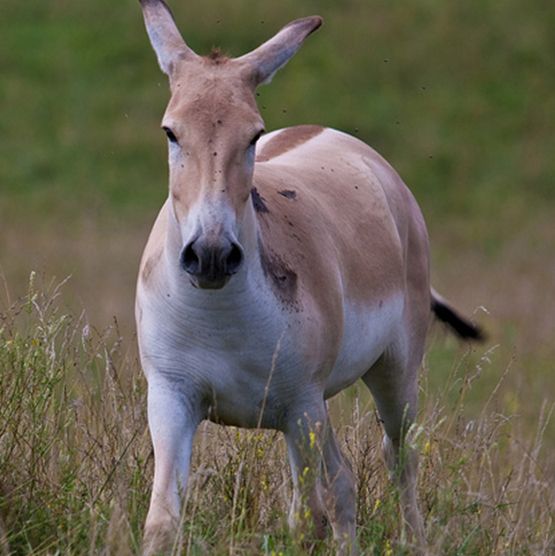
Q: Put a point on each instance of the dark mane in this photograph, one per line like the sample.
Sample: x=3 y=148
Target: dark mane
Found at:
x=216 y=56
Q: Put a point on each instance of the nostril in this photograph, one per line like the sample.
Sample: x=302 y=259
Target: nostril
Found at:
x=234 y=259
x=189 y=260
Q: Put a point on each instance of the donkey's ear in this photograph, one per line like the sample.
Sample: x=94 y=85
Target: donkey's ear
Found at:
x=164 y=35
x=275 y=53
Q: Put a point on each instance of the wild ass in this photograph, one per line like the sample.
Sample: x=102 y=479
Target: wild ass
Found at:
x=280 y=270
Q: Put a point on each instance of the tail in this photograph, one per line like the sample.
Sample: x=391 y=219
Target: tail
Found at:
x=461 y=326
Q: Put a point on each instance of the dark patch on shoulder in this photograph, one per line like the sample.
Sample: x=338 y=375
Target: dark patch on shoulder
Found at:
x=287 y=140
x=258 y=202
x=282 y=278
x=288 y=193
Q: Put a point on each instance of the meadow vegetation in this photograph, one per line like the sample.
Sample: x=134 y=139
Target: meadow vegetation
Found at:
x=458 y=96
x=76 y=459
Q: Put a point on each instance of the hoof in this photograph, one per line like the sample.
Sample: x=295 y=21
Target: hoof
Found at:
x=160 y=538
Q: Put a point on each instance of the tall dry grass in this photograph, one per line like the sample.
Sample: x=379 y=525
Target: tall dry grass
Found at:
x=76 y=461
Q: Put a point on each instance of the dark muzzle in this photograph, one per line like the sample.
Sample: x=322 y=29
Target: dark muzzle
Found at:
x=210 y=264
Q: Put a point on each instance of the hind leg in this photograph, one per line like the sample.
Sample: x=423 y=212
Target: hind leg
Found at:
x=393 y=383
x=322 y=478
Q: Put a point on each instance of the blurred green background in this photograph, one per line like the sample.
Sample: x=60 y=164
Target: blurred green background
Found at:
x=457 y=95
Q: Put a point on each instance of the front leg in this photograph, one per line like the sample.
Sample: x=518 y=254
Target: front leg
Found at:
x=173 y=417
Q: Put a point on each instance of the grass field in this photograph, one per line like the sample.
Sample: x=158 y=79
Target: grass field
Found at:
x=458 y=96
x=76 y=460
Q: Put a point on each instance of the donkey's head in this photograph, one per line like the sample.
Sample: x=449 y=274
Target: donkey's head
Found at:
x=212 y=124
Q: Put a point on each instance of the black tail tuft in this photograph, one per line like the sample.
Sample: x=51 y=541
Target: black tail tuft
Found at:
x=461 y=326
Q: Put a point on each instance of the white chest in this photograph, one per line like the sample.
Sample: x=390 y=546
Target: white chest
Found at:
x=242 y=352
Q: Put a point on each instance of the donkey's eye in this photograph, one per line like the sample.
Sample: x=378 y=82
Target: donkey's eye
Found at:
x=171 y=135
x=256 y=137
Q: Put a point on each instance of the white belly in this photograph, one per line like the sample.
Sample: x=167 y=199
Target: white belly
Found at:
x=367 y=333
